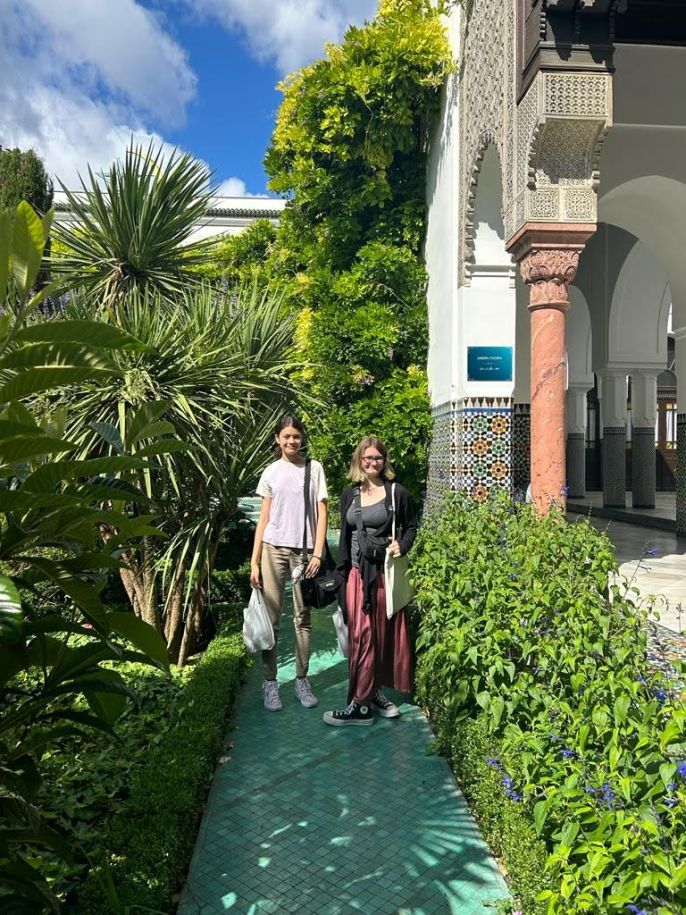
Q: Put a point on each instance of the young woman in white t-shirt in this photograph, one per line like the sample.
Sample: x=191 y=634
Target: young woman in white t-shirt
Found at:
x=277 y=550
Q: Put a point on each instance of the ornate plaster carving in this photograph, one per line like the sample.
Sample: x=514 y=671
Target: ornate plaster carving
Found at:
x=487 y=93
x=549 y=144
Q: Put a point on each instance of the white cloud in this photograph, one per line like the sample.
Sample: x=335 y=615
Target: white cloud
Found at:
x=234 y=187
x=79 y=78
x=288 y=33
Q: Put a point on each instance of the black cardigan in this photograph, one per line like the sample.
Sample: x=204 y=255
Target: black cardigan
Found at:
x=405 y=527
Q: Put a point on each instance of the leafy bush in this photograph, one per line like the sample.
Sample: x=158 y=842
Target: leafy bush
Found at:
x=349 y=149
x=150 y=788
x=526 y=631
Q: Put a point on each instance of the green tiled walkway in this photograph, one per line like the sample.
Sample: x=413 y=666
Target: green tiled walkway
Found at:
x=328 y=821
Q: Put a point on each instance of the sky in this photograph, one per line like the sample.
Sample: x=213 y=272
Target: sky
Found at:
x=80 y=78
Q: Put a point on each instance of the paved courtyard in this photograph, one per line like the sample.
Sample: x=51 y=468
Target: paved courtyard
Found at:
x=312 y=819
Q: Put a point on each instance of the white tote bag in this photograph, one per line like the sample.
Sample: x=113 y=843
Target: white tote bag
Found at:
x=398 y=589
x=341 y=631
x=258 y=632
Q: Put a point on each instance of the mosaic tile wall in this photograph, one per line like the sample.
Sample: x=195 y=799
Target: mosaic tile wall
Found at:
x=614 y=466
x=681 y=474
x=576 y=465
x=442 y=454
x=643 y=466
x=521 y=446
x=471 y=448
x=485 y=446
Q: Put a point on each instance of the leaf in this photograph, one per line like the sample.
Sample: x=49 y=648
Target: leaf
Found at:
x=110 y=434
x=141 y=635
x=164 y=446
x=144 y=419
x=28 y=244
x=11 y=612
x=17 y=448
x=6 y=231
x=90 y=333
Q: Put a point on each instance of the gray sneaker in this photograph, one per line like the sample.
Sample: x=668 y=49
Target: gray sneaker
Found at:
x=304 y=693
x=272 y=702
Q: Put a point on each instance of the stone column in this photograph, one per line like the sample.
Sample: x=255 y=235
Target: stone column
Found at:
x=613 y=411
x=643 y=415
x=680 y=369
x=548 y=257
x=576 y=440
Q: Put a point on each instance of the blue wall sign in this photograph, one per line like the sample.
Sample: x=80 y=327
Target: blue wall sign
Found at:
x=489 y=363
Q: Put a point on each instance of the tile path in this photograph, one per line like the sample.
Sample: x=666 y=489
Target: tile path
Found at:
x=329 y=821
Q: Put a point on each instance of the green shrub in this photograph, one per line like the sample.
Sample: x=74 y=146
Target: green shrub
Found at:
x=148 y=790
x=525 y=630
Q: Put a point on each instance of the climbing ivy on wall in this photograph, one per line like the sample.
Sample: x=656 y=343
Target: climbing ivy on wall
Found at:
x=349 y=148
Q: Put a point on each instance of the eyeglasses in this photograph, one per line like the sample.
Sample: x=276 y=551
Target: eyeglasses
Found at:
x=377 y=459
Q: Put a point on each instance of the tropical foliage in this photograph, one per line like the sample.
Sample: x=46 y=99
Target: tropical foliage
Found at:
x=210 y=371
x=531 y=649
x=52 y=517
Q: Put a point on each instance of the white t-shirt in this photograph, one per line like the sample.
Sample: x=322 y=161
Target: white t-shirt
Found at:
x=284 y=482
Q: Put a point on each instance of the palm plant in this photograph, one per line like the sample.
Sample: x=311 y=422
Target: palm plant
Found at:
x=212 y=369
x=133 y=226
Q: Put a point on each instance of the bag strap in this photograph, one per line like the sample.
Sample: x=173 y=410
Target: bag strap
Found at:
x=306 y=492
x=393 y=511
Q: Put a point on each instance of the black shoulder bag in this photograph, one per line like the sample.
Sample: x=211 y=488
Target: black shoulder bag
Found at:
x=322 y=589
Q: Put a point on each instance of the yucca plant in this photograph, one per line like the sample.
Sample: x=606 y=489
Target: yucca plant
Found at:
x=132 y=227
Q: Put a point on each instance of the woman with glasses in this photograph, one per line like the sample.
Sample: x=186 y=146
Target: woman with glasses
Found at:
x=379 y=648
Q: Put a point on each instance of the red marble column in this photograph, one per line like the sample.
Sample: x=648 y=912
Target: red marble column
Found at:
x=548 y=257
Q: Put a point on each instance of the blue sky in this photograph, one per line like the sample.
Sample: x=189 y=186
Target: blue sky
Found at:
x=79 y=78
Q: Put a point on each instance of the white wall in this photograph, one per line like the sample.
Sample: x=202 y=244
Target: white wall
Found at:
x=441 y=244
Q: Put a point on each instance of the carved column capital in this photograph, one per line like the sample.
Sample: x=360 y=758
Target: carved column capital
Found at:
x=548 y=273
x=548 y=256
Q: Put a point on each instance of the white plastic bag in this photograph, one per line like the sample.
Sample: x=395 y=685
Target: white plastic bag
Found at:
x=258 y=632
x=341 y=631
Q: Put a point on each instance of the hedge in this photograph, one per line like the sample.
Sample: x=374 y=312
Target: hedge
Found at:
x=143 y=849
x=534 y=669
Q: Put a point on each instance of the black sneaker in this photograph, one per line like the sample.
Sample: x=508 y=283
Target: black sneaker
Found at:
x=384 y=706
x=355 y=713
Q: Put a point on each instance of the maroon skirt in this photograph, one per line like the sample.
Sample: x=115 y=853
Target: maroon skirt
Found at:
x=379 y=651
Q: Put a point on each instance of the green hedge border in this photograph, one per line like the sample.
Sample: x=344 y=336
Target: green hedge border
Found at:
x=150 y=840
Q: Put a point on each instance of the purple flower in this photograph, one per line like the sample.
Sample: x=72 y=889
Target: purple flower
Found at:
x=681 y=769
x=635 y=910
x=671 y=801
x=567 y=754
x=608 y=796
x=510 y=790
x=660 y=695
x=493 y=763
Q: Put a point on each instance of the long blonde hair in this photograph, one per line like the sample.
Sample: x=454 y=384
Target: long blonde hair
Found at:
x=356 y=473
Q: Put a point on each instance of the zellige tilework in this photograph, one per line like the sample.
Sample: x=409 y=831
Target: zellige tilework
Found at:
x=328 y=821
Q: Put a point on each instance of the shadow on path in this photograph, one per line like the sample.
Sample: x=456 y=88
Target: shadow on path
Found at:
x=312 y=819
